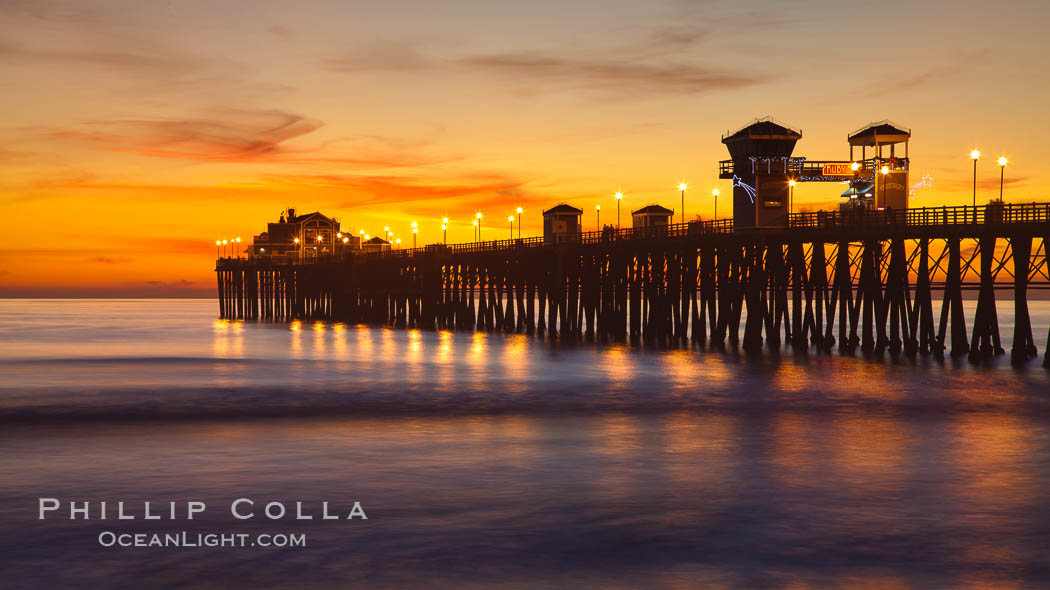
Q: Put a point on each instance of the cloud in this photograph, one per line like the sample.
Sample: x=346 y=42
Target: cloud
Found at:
x=934 y=76
x=107 y=260
x=145 y=61
x=381 y=56
x=228 y=136
x=388 y=190
x=656 y=62
x=181 y=283
x=608 y=75
x=279 y=31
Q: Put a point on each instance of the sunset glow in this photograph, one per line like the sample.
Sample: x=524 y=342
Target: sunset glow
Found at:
x=142 y=135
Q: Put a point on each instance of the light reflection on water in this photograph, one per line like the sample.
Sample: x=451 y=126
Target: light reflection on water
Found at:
x=490 y=460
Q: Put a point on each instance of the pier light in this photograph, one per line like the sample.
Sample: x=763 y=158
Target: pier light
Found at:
x=415 y=230
x=238 y=240
x=443 y=226
x=345 y=240
x=218 y=242
x=261 y=250
x=791 y=183
x=619 y=197
x=444 y=220
x=368 y=237
x=475 y=223
x=386 y=228
x=339 y=235
x=519 y=211
x=478 y=215
x=362 y=232
x=319 y=238
x=224 y=242
x=791 y=195
x=510 y=218
x=975 y=154
x=854 y=166
x=715 y=193
x=681 y=187
x=296 y=240
x=1002 y=173
x=885 y=169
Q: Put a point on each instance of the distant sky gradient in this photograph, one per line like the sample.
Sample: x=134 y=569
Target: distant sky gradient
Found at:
x=136 y=133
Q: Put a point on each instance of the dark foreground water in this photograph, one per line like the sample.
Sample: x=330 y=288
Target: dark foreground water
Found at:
x=488 y=461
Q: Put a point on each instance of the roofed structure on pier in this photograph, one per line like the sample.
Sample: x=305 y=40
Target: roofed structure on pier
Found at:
x=651 y=216
x=561 y=223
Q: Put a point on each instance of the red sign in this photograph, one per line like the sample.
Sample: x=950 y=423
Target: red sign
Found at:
x=837 y=169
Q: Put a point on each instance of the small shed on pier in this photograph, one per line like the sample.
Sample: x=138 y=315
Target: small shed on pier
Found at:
x=651 y=216
x=561 y=223
x=376 y=244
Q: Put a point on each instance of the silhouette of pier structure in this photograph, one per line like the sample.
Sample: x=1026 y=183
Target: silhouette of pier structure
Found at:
x=864 y=276
x=848 y=279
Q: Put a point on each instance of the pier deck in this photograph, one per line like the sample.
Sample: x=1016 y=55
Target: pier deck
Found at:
x=825 y=279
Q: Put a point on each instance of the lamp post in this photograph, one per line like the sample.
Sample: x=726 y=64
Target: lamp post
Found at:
x=298 y=250
x=444 y=230
x=510 y=218
x=855 y=166
x=598 y=216
x=476 y=239
x=619 y=197
x=224 y=242
x=791 y=196
x=478 y=215
x=415 y=230
x=519 y=223
x=1002 y=173
x=715 y=193
x=399 y=243
x=681 y=187
x=885 y=170
x=975 y=154
x=217 y=244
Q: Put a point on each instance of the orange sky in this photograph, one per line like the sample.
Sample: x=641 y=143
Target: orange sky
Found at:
x=136 y=133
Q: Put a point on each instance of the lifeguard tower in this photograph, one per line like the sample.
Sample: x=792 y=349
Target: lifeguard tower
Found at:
x=884 y=183
x=763 y=170
x=759 y=168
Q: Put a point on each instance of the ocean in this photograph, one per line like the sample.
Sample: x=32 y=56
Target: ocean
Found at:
x=491 y=460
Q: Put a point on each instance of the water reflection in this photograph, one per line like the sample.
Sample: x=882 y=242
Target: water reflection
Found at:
x=489 y=459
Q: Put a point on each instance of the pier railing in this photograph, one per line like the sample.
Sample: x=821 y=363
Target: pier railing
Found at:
x=966 y=215
x=994 y=213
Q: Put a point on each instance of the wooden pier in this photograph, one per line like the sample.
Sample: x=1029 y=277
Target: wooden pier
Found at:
x=825 y=280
